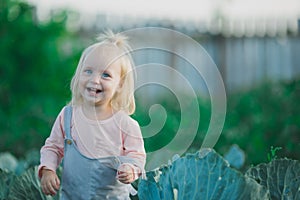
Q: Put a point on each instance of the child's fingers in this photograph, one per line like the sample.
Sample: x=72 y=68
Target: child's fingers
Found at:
x=57 y=183
x=48 y=189
x=125 y=177
x=44 y=189
x=51 y=189
x=44 y=185
x=50 y=184
x=125 y=174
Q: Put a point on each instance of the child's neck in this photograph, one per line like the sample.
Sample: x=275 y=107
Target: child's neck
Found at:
x=97 y=112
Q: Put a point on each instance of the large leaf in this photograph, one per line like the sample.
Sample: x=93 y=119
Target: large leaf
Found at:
x=6 y=178
x=204 y=175
x=281 y=177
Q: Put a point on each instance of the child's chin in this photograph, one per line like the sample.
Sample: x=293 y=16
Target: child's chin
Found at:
x=93 y=101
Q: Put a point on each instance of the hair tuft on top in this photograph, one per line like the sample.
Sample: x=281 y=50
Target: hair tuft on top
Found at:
x=117 y=39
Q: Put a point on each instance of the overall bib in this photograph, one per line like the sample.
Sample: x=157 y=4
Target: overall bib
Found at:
x=85 y=178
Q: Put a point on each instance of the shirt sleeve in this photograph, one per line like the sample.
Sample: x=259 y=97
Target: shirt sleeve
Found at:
x=133 y=145
x=53 y=150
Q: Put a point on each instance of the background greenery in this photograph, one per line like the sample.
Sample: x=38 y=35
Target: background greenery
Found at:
x=38 y=61
x=36 y=65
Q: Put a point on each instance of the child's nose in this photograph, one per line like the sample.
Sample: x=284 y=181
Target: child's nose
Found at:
x=96 y=78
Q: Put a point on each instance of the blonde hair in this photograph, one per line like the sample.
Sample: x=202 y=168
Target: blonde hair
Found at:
x=124 y=98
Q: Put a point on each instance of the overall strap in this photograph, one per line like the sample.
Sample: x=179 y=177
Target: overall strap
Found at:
x=67 y=121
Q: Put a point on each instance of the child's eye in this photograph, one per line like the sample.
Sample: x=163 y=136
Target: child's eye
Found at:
x=105 y=75
x=88 y=71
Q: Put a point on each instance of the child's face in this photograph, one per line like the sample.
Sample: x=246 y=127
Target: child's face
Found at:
x=100 y=77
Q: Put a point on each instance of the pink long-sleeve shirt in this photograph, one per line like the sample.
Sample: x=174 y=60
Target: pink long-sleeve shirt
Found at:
x=118 y=135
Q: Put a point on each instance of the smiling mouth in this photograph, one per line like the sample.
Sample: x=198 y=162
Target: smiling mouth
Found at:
x=94 y=90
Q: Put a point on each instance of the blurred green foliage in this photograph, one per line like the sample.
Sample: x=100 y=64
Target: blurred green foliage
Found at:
x=258 y=120
x=36 y=66
x=265 y=117
x=37 y=62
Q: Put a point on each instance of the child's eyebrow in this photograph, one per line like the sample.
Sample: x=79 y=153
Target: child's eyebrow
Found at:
x=88 y=67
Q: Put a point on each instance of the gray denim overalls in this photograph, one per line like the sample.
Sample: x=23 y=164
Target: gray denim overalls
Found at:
x=85 y=178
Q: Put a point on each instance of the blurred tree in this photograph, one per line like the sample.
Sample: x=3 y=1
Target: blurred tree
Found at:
x=36 y=65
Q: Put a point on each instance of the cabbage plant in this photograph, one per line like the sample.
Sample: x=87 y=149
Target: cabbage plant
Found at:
x=206 y=175
x=203 y=175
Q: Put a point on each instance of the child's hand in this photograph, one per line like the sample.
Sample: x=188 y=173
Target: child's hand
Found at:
x=50 y=182
x=125 y=174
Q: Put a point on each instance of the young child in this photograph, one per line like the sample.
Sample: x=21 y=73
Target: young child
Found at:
x=101 y=145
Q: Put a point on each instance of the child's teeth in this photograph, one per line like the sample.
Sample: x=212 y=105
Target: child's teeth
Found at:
x=94 y=90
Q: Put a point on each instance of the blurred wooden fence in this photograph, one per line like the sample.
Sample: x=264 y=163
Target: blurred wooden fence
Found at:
x=243 y=62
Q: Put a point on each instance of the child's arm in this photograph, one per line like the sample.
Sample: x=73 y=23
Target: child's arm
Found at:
x=53 y=150
x=134 y=149
x=51 y=155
